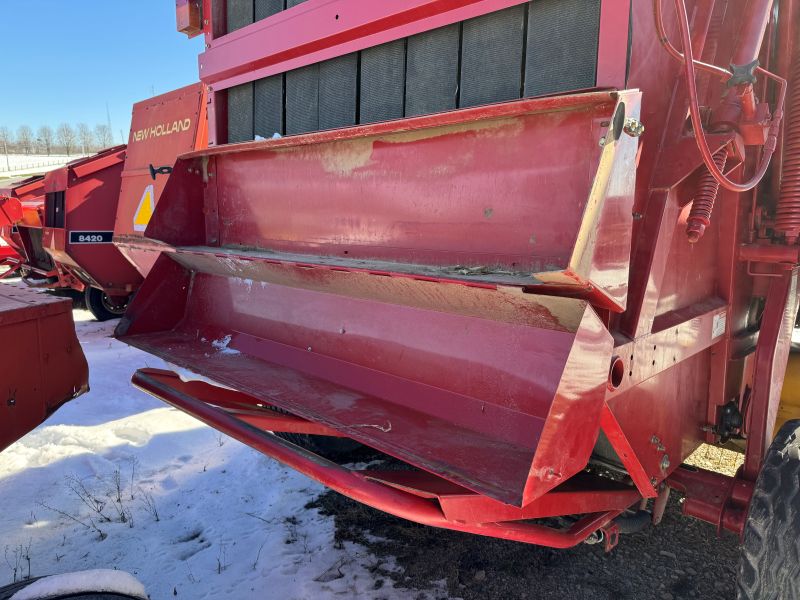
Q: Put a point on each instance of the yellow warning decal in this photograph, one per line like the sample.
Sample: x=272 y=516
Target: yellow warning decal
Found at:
x=145 y=210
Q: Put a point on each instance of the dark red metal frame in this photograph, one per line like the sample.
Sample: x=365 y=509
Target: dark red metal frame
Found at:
x=682 y=332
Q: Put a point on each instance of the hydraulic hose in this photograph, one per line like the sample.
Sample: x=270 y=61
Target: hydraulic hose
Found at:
x=689 y=64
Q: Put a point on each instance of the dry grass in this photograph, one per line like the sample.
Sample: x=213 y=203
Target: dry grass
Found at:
x=716 y=459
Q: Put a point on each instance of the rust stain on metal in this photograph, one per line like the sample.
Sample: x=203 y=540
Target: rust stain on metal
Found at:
x=345 y=157
x=492 y=127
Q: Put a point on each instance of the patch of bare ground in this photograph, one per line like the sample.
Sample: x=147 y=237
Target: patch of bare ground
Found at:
x=681 y=558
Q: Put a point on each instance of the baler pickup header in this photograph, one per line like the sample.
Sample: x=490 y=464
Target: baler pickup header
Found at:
x=360 y=289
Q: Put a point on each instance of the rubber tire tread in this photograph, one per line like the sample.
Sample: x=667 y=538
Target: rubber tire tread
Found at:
x=94 y=302
x=769 y=568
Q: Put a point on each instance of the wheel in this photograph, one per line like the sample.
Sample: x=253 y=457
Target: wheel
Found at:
x=85 y=590
x=101 y=306
x=770 y=563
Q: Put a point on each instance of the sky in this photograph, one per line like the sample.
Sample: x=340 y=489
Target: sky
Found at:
x=63 y=61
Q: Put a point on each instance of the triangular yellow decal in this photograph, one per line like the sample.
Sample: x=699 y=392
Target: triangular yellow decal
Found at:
x=145 y=210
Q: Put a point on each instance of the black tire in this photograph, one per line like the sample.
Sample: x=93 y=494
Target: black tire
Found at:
x=8 y=591
x=101 y=306
x=770 y=563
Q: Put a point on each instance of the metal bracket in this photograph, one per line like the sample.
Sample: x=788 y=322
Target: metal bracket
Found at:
x=166 y=170
x=743 y=74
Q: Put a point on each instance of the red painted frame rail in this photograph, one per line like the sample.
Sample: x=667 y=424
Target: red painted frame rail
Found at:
x=162 y=385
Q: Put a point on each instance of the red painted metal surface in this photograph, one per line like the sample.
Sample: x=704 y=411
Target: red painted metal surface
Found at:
x=431 y=408
x=114 y=193
x=29 y=193
x=162 y=128
x=10 y=211
x=90 y=188
x=772 y=354
x=10 y=214
x=449 y=231
x=452 y=289
x=189 y=17
x=41 y=362
x=316 y=30
x=363 y=487
x=703 y=201
x=713 y=497
x=787 y=220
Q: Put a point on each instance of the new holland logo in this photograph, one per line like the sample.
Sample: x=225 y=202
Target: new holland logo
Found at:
x=145 y=209
x=161 y=129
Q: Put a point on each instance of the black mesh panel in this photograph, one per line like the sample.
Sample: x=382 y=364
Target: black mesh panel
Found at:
x=302 y=100
x=239 y=13
x=382 y=82
x=562 y=53
x=491 y=57
x=268 y=109
x=486 y=59
x=240 y=113
x=267 y=8
x=338 y=79
x=432 y=71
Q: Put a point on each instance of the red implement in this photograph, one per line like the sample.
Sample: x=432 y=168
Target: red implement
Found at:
x=114 y=192
x=41 y=362
x=21 y=229
x=469 y=252
x=80 y=206
x=162 y=128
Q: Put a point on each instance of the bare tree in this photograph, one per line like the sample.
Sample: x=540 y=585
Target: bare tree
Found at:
x=46 y=137
x=6 y=139
x=85 y=137
x=103 y=135
x=66 y=137
x=25 y=138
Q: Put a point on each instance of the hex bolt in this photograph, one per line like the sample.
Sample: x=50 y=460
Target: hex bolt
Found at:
x=665 y=463
x=633 y=127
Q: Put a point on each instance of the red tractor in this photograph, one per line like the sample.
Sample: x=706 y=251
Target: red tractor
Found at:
x=537 y=252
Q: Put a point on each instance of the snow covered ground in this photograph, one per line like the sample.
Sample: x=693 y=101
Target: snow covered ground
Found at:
x=29 y=164
x=115 y=479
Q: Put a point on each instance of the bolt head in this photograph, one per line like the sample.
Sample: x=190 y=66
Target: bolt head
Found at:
x=633 y=127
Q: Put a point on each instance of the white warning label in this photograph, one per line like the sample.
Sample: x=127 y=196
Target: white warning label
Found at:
x=718 y=325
